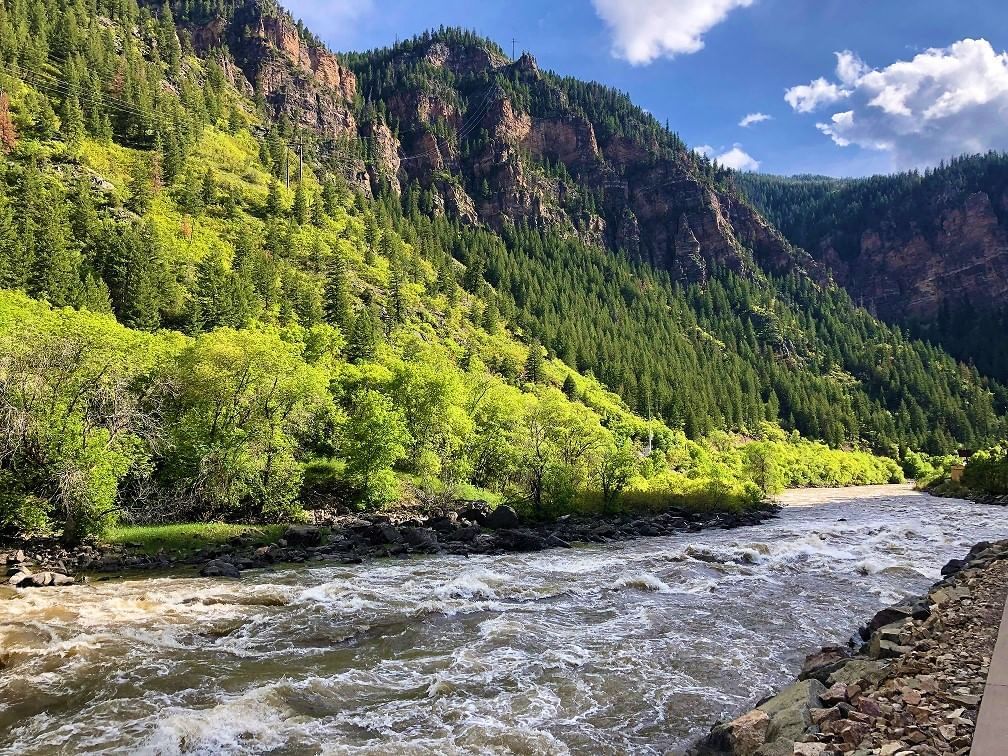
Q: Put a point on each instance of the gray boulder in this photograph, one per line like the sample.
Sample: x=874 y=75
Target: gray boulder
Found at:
x=303 y=535
x=742 y=736
x=822 y=664
x=502 y=517
x=475 y=511
x=858 y=669
x=465 y=534
x=790 y=711
x=420 y=538
x=21 y=578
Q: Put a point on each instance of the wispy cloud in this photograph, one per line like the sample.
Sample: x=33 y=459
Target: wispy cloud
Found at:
x=753 y=118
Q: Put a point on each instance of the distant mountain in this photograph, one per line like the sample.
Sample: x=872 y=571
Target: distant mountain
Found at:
x=927 y=250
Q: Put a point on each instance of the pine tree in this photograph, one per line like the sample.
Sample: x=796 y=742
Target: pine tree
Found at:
x=534 y=363
x=569 y=387
x=300 y=211
x=363 y=341
x=208 y=192
x=141 y=188
x=274 y=202
x=336 y=300
x=491 y=317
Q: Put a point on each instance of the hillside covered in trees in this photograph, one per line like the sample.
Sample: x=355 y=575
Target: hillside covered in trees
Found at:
x=927 y=250
x=183 y=335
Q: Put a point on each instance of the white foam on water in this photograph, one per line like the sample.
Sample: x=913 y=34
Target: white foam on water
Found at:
x=251 y=722
x=477 y=584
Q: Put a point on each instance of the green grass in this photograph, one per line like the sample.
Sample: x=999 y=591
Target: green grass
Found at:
x=187 y=537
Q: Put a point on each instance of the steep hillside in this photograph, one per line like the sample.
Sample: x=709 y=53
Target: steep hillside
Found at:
x=926 y=250
x=184 y=337
x=494 y=140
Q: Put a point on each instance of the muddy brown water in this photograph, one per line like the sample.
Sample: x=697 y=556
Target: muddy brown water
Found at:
x=635 y=647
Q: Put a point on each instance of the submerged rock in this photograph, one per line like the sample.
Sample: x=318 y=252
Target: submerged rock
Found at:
x=220 y=568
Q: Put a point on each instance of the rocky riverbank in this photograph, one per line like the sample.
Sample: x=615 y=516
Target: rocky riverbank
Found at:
x=466 y=530
x=947 y=489
x=914 y=685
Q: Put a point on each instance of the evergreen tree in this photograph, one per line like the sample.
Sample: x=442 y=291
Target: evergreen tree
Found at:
x=208 y=192
x=274 y=202
x=336 y=302
x=362 y=343
x=534 y=363
x=300 y=211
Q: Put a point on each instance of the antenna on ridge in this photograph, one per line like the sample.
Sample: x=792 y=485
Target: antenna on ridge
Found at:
x=513 y=42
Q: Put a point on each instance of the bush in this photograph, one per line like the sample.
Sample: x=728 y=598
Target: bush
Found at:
x=987 y=471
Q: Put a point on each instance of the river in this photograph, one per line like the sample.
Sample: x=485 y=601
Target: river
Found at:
x=635 y=647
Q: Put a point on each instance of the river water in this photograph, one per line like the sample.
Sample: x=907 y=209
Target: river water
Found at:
x=636 y=647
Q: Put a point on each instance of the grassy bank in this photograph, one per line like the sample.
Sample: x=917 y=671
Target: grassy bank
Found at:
x=188 y=537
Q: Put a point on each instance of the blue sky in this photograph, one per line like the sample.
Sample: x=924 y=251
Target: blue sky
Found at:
x=916 y=81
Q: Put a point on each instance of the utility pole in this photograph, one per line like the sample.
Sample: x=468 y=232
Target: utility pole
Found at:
x=287 y=165
x=300 y=162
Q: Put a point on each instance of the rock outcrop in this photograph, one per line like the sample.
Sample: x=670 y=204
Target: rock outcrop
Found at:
x=271 y=56
x=490 y=154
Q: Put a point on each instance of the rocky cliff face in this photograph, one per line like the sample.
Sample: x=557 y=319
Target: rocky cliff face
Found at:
x=297 y=78
x=495 y=157
x=658 y=209
x=905 y=272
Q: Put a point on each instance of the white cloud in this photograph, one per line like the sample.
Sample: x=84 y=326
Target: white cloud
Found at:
x=752 y=118
x=644 y=30
x=734 y=157
x=807 y=97
x=738 y=159
x=943 y=102
x=850 y=67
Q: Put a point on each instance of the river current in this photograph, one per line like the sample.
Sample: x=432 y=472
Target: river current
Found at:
x=635 y=647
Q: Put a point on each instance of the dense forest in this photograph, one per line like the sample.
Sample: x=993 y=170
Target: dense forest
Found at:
x=184 y=336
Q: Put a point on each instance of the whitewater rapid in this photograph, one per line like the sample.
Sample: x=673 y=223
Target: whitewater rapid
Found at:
x=635 y=647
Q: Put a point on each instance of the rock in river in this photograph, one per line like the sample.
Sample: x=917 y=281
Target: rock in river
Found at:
x=220 y=568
